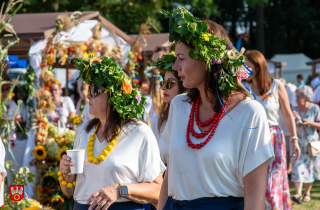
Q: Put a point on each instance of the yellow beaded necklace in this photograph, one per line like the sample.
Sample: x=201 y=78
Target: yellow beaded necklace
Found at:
x=104 y=152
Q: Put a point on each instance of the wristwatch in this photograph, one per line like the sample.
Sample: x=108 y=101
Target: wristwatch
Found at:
x=123 y=190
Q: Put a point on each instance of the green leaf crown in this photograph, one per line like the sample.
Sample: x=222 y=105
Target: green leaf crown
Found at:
x=184 y=27
x=107 y=73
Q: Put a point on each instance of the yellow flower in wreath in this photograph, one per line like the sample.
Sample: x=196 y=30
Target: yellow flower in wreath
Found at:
x=40 y=152
x=61 y=153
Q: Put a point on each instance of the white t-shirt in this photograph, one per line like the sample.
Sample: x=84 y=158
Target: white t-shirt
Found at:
x=316 y=96
x=149 y=108
x=291 y=91
x=163 y=146
x=64 y=108
x=2 y=170
x=218 y=168
x=11 y=107
x=315 y=82
x=86 y=115
x=135 y=159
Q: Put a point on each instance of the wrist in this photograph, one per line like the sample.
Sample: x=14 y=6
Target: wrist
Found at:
x=69 y=178
x=294 y=139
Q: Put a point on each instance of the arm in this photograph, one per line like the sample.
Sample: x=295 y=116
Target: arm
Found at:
x=1 y=178
x=288 y=118
x=255 y=188
x=140 y=193
x=164 y=190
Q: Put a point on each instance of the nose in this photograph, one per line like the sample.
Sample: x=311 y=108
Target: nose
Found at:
x=89 y=96
x=163 y=87
x=176 y=66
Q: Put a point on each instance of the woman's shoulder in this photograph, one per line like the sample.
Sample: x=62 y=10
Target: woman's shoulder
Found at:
x=138 y=129
x=250 y=106
x=314 y=108
x=180 y=100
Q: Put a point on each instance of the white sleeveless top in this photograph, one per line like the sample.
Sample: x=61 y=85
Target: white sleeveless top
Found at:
x=271 y=104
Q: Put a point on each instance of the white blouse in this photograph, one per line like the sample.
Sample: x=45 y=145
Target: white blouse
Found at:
x=64 y=108
x=218 y=168
x=163 y=146
x=134 y=159
x=271 y=104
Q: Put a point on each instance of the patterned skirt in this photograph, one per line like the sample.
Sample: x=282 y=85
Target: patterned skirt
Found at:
x=278 y=192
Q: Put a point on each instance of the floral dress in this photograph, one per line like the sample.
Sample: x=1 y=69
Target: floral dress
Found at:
x=307 y=168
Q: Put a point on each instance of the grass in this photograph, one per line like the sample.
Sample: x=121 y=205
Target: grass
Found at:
x=314 y=204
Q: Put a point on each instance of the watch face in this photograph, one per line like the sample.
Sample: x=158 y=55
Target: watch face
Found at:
x=124 y=190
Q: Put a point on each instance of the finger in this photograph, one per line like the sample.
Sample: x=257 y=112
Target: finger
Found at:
x=95 y=203
x=107 y=205
x=66 y=157
x=93 y=196
x=101 y=204
x=298 y=154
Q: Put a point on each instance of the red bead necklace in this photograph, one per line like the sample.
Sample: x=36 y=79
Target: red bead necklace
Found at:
x=214 y=120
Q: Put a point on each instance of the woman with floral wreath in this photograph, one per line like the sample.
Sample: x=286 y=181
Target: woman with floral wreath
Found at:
x=122 y=167
x=171 y=87
x=273 y=96
x=218 y=137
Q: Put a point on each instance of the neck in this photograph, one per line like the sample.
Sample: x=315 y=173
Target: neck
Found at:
x=254 y=83
x=304 y=107
x=56 y=100
x=204 y=101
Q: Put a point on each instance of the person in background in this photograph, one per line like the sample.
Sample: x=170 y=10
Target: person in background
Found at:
x=307 y=169
x=64 y=106
x=315 y=82
x=300 y=80
x=3 y=172
x=171 y=87
x=11 y=105
x=154 y=97
x=291 y=91
x=316 y=96
x=273 y=97
x=159 y=52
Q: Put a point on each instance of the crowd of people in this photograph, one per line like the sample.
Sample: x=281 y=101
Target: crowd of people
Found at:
x=208 y=142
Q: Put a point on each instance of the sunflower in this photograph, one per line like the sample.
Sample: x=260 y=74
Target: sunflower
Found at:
x=40 y=152
x=61 y=153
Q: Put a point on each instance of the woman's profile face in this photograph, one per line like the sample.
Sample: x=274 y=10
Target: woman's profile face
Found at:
x=191 y=71
x=169 y=94
x=250 y=65
x=98 y=105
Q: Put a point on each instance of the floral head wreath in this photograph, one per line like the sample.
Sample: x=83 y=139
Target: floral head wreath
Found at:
x=128 y=102
x=184 y=27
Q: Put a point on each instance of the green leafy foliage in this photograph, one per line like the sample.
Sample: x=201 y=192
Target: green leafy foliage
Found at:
x=166 y=62
x=110 y=75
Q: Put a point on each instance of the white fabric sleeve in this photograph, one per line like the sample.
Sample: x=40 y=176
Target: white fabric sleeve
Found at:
x=70 y=105
x=315 y=96
x=150 y=164
x=259 y=146
x=13 y=108
x=154 y=124
x=166 y=133
x=2 y=160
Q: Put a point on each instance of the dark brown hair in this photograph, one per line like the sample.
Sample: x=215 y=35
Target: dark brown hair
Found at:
x=264 y=79
x=213 y=76
x=164 y=111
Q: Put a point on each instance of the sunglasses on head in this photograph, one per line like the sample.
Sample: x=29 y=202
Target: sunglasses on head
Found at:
x=168 y=83
x=94 y=91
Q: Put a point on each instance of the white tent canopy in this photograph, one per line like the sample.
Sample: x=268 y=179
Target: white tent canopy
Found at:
x=296 y=64
x=81 y=32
